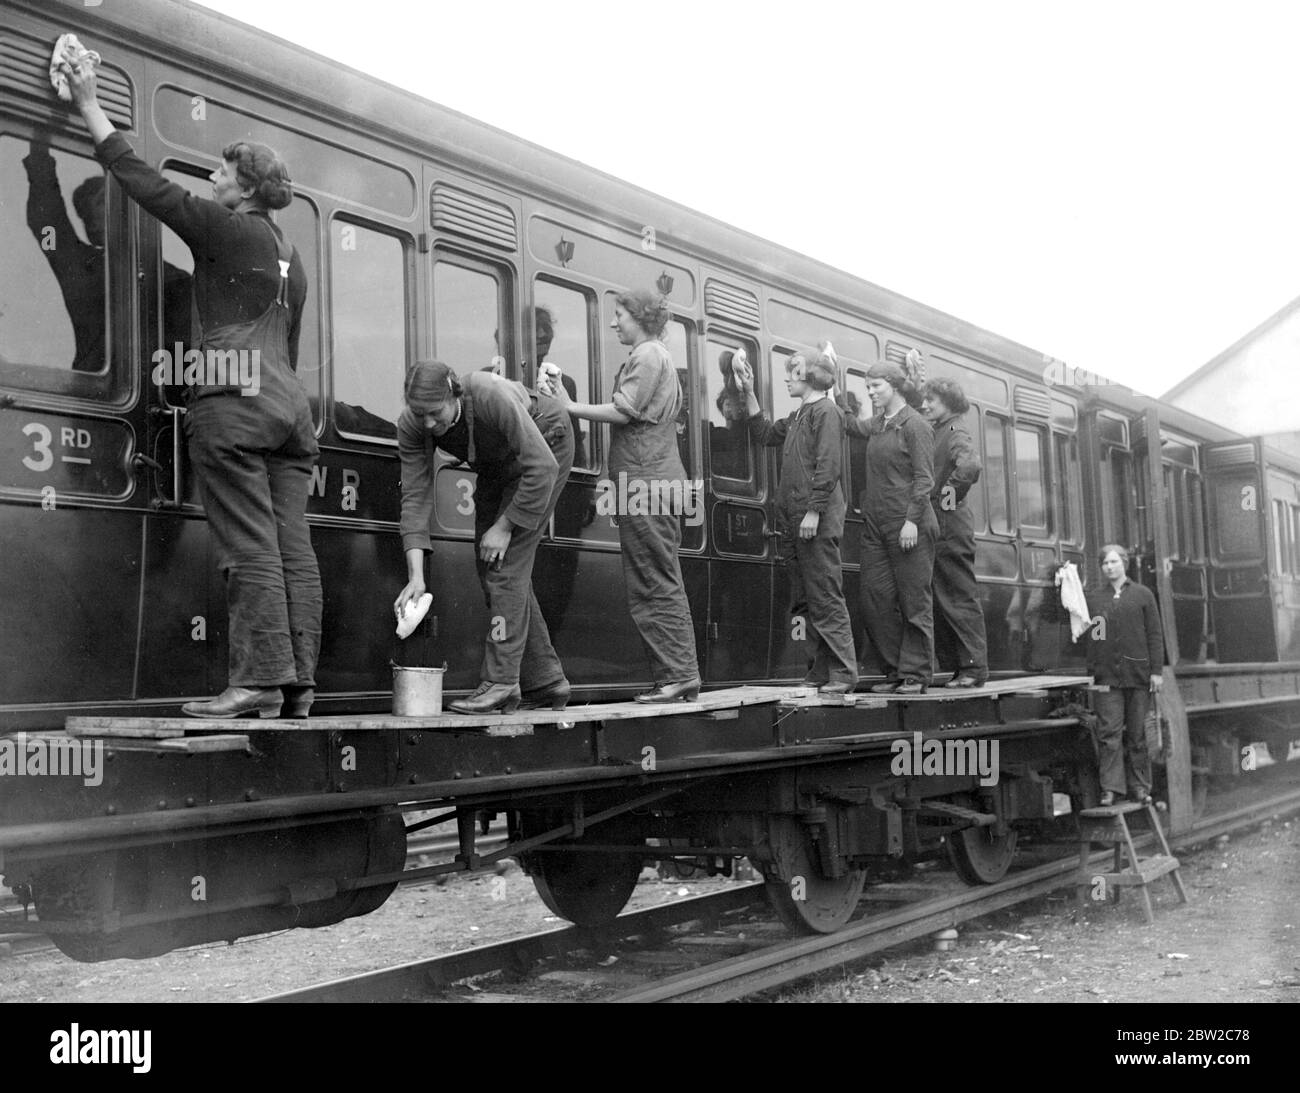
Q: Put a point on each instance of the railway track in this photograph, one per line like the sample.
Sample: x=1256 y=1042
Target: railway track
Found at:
x=761 y=966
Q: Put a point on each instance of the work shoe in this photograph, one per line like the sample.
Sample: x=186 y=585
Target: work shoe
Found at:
x=964 y=680
x=297 y=700
x=910 y=687
x=887 y=688
x=489 y=697
x=555 y=695
x=237 y=702
x=672 y=692
x=835 y=688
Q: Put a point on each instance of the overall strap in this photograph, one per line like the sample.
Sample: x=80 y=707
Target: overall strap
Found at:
x=284 y=256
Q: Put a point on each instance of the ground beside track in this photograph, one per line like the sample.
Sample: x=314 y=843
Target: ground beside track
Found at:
x=1236 y=940
x=1239 y=939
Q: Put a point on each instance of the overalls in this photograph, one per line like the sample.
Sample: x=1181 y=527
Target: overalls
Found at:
x=956 y=592
x=812 y=440
x=645 y=450
x=253 y=455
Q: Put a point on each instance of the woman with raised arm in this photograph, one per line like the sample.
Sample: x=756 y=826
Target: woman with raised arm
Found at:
x=899 y=530
x=251 y=438
x=644 y=462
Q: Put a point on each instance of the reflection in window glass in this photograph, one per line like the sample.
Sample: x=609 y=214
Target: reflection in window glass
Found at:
x=783 y=403
x=563 y=337
x=1118 y=500
x=299 y=225
x=1069 y=489
x=369 y=317
x=466 y=320
x=54 y=313
x=729 y=444
x=855 y=396
x=675 y=339
x=1195 y=518
x=995 y=474
x=1031 y=491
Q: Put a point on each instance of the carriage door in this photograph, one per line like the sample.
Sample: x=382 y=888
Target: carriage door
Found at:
x=1241 y=614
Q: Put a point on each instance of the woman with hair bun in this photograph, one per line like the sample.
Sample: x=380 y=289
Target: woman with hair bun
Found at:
x=899 y=530
x=251 y=438
x=642 y=416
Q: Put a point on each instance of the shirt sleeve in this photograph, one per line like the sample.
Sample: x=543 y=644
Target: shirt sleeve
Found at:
x=504 y=406
x=966 y=462
x=918 y=436
x=767 y=432
x=828 y=447
x=854 y=425
x=417 y=483
x=200 y=223
x=640 y=392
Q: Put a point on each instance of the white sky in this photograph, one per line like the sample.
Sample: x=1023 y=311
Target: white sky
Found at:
x=1114 y=184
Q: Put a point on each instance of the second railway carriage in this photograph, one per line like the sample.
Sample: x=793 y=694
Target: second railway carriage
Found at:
x=427 y=234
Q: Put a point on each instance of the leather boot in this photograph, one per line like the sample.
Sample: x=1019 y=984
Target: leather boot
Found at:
x=490 y=697
x=297 y=700
x=672 y=692
x=555 y=695
x=238 y=701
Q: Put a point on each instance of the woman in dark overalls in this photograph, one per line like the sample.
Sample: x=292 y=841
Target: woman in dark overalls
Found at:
x=643 y=457
x=251 y=438
x=898 y=531
x=521 y=447
x=956 y=592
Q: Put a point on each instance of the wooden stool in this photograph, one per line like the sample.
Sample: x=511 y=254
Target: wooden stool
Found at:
x=1109 y=824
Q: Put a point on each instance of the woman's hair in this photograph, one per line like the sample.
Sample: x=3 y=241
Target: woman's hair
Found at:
x=260 y=169
x=949 y=393
x=1113 y=548
x=819 y=372
x=898 y=379
x=430 y=383
x=85 y=196
x=648 y=309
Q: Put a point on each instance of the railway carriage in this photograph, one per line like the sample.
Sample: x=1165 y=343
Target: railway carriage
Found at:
x=426 y=234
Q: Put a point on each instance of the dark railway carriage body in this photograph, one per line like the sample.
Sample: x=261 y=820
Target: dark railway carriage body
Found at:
x=426 y=234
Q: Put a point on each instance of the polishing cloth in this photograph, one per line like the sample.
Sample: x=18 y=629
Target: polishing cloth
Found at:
x=413 y=615
x=68 y=49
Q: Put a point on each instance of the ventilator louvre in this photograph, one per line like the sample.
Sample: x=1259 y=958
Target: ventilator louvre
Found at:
x=468 y=214
x=25 y=69
x=724 y=301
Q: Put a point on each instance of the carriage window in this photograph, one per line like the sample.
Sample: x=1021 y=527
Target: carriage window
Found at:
x=562 y=321
x=1069 y=489
x=855 y=397
x=468 y=331
x=730 y=448
x=1117 y=501
x=1195 y=517
x=54 y=318
x=1031 y=490
x=783 y=404
x=298 y=222
x=368 y=296
x=1173 y=510
x=995 y=474
x=1294 y=525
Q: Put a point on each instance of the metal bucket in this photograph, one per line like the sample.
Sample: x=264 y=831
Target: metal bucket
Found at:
x=417 y=692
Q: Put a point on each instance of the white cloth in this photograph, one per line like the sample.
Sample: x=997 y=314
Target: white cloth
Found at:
x=68 y=49
x=1073 y=599
x=414 y=615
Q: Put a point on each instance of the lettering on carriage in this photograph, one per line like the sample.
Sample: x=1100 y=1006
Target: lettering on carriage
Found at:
x=952 y=757
x=349 y=489
x=75 y=444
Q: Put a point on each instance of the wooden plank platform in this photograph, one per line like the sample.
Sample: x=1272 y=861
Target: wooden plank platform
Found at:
x=714 y=705
x=709 y=704
x=1027 y=686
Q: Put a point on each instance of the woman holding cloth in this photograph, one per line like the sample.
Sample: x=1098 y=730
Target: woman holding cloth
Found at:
x=643 y=456
x=252 y=446
x=899 y=531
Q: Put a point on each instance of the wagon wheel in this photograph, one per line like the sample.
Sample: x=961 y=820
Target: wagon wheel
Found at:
x=977 y=854
x=585 y=887
x=802 y=897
